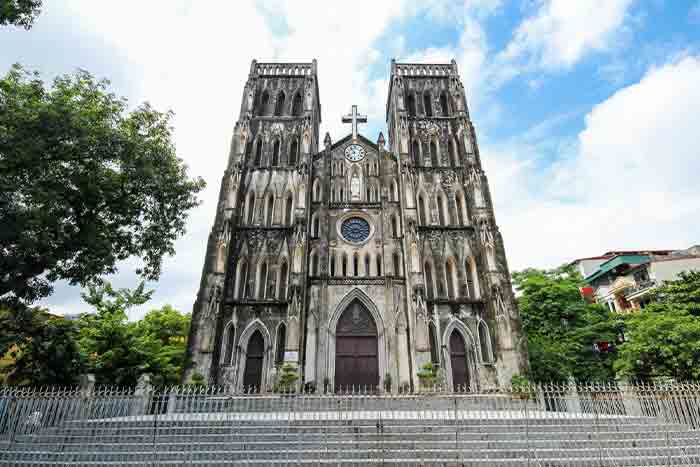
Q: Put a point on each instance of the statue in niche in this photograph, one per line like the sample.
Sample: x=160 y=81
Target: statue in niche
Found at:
x=355 y=187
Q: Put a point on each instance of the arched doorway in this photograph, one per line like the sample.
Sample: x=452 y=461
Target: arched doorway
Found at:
x=458 y=359
x=252 y=377
x=356 y=355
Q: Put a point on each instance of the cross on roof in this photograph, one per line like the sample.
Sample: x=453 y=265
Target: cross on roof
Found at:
x=354 y=118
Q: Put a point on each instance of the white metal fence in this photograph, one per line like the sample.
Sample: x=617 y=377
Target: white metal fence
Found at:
x=539 y=425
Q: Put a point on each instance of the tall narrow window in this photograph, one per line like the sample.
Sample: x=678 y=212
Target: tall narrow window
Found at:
x=258 y=153
x=411 y=105
x=315 y=227
x=293 y=150
x=345 y=265
x=314 y=265
x=279 y=346
x=443 y=104
x=270 y=209
x=433 y=154
x=355 y=265
x=421 y=211
x=415 y=149
x=449 y=276
x=460 y=212
x=397 y=265
x=441 y=211
x=333 y=266
x=276 y=153
x=230 y=335
x=283 y=281
x=429 y=286
x=342 y=195
x=250 y=206
x=367 y=263
x=434 y=352
x=263 y=281
x=394 y=191
x=288 y=210
x=427 y=106
x=452 y=152
x=296 y=106
x=264 y=101
x=485 y=342
x=394 y=227
x=250 y=282
x=368 y=195
x=279 y=105
x=379 y=265
x=242 y=279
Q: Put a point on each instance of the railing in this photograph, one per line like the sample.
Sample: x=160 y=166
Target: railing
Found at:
x=288 y=69
x=592 y=425
x=415 y=69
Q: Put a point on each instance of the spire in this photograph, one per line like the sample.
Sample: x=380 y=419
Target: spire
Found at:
x=380 y=140
x=327 y=140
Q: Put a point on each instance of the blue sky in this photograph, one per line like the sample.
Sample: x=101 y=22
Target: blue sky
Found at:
x=585 y=110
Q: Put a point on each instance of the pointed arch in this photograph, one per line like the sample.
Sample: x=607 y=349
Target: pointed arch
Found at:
x=297 y=108
x=228 y=341
x=444 y=106
x=469 y=350
x=280 y=343
x=289 y=210
x=249 y=332
x=279 y=105
x=411 y=104
x=485 y=342
x=427 y=104
x=264 y=102
x=293 y=151
x=283 y=279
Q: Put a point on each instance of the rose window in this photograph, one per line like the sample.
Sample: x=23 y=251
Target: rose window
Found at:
x=355 y=229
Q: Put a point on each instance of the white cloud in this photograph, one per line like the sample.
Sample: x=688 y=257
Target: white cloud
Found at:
x=561 y=32
x=631 y=181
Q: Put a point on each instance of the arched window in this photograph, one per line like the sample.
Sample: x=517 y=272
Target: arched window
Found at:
x=250 y=282
x=433 y=154
x=485 y=342
x=288 y=210
x=228 y=350
x=280 y=344
x=263 y=281
x=355 y=265
x=342 y=169
x=368 y=195
x=242 y=279
x=451 y=277
x=411 y=104
x=397 y=265
x=434 y=349
x=367 y=263
x=453 y=154
x=472 y=278
x=333 y=266
x=283 y=281
x=441 y=211
x=394 y=227
x=379 y=265
x=394 y=191
x=443 y=104
x=250 y=208
x=427 y=106
x=460 y=208
x=293 y=150
x=429 y=285
x=270 y=209
x=345 y=265
x=276 y=153
x=342 y=195
x=415 y=149
x=258 y=153
x=315 y=227
x=279 y=105
x=296 y=106
x=317 y=191
x=264 y=101
x=421 y=211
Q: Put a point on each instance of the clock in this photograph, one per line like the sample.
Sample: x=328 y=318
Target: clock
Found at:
x=354 y=153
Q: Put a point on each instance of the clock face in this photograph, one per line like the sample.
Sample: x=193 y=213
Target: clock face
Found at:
x=354 y=153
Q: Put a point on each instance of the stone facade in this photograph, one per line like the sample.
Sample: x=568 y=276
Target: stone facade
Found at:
x=404 y=233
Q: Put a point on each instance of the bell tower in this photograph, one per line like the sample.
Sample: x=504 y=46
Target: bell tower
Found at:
x=457 y=274
x=251 y=293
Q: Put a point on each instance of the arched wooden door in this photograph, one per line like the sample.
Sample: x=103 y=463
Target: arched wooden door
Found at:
x=458 y=359
x=356 y=355
x=252 y=377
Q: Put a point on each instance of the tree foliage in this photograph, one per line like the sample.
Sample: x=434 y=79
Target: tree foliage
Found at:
x=19 y=12
x=663 y=340
x=83 y=183
x=561 y=328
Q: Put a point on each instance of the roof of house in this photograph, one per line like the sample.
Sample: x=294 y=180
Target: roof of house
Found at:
x=615 y=262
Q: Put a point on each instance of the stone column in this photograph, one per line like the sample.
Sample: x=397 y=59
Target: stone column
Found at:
x=310 y=364
x=403 y=356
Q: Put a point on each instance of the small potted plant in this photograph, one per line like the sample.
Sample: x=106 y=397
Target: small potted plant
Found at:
x=287 y=380
x=428 y=377
x=387 y=382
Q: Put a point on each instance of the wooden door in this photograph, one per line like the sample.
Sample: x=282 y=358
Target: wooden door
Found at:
x=252 y=377
x=458 y=359
x=356 y=355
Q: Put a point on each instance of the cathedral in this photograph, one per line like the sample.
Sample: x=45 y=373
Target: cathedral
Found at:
x=356 y=262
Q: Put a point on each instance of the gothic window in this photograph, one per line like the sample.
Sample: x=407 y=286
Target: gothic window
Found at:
x=250 y=282
x=443 y=104
x=415 y=149
x=379 y=265
x=368 y=195
x=421 y=211
x=264 y=101
x=355 y=229
x=283 y=281
x=459 y=201
x=281 y=341
x=451 y=276
x=317 y=191
x=279 y=105
x=411 y=104
x=228 y=350
x=242 y=279
x=429 y=285
x=342 y=169
x=434 y=350
x=296 y=106
x=453 y=154
x=270 y=209
x=258 y=153
x=288 y=210
x=427 y=106
x=315 y=226
x=367 y=263
x=397 y=265
x=441 y=211
x=293 y=150
x=263 y=281
x=433 y=154
x=485 y=342
x=394 y=191
x=355 y=265
x=394 y=227
x=345 y=265
x=342 y=195
x=333 y=266
x=314 y=265
x=472 y=278
x=250 y=208
x=276 y=153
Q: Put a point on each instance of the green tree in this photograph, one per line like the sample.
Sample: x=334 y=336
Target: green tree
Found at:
x=41 y=349
x=562 y=328
x=663 y=340
x=83 y=184
x=19 y=12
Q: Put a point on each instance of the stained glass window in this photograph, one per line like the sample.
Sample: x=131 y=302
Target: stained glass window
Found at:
x=355 y=229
